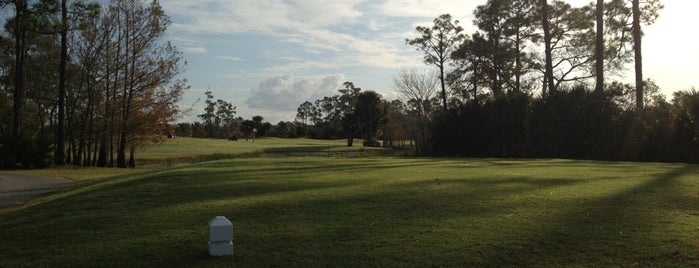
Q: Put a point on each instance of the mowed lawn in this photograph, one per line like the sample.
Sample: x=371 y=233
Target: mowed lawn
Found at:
x=334 y=207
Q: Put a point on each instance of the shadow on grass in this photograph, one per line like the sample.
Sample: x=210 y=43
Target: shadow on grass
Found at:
x=316 y=212
x=636 y=227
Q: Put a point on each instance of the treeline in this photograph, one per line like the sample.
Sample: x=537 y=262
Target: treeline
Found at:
x=574 y=123
x=85 y=84
x=520 y=85
x=219 y=121
x=351 y=114
x=363 y=115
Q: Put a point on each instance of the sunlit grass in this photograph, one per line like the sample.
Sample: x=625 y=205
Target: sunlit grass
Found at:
x=329 y=210
x=185 y=151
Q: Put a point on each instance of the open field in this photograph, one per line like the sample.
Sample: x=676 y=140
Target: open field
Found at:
x=184 y=151
x=335 y=207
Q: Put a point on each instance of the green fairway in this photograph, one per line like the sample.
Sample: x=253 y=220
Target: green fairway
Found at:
x=348 y=209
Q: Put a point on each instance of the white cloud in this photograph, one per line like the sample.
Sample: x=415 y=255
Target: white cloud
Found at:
x=230 y=58
x=318 y=26
x=285 y=93
x=194 y=50
x=189 y=45
x=459 y=9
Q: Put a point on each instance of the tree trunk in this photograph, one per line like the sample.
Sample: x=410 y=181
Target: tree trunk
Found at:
x=350 y=138
x=444 y=88
x=638 y=55
x=59 y=156
x=599 y=47
x=102 y=154
x=132 y=160
x=18 y=96
x=547 y=46
x=518 y=62
x=121 y=149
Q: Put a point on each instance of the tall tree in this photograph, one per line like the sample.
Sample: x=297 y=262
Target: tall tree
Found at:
x=647 y=14
x=59 y=155
x=638 y=54
x=623 y=30
x=548 y=71
x=599 y=46
x=348 y=101
x=209 y=115
x=521 y=23
x=438 y=43
x=225 y=113
x=19 y=32
x=471 y=63
x=507 y=27
x=490 y=18
x=149 y=66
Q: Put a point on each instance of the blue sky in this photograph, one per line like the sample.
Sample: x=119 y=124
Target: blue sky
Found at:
x=268 y=56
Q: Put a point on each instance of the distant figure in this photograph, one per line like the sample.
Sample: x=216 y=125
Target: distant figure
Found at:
x=232 y=138
x=171 y=135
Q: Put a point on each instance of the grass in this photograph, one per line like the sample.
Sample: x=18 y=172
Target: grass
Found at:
x=326 y=209
x=184 y=151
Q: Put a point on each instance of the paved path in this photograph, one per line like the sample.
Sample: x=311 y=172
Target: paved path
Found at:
x=15 y=188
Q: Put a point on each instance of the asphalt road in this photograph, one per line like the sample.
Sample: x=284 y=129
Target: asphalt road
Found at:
x=15 y=188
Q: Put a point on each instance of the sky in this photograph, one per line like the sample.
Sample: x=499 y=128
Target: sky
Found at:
x=268 y=56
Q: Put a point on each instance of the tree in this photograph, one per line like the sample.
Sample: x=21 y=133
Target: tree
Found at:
x=95 y=80
x=638 y=55
x=521 y=23
x=225 y=116
x=599 y=46
x=257 y=129
x=148 y=66
x=471 y=62
x=496 y=57
x=576 y=44
x=395 y=133
x=248 y=129
x=59 y=156
x=647 y=14
x=418 y=88
x=370 y=115
x=19 y=26
x=347 y=103
x=306 y=113
x=506 y=27
x=209 y=115
x=548 y=71
x=219 y=117
x=490 y=18
x=438 y=43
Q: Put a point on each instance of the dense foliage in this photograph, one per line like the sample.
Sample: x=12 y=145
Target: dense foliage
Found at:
x=83 y=84
x=575 y=123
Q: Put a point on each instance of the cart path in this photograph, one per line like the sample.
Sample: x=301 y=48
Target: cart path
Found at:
x=16 y=188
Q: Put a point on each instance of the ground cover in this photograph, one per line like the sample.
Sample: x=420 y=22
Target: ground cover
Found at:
x=184 y=151
x=308 y=207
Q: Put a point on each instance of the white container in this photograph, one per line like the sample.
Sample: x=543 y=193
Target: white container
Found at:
x=220 y=236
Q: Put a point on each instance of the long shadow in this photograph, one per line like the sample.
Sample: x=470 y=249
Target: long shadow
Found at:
x=630 y=228
x=392 y=209
x=384 y=219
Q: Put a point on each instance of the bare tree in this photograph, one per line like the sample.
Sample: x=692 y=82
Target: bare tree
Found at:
x=419 y=88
